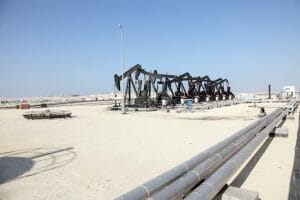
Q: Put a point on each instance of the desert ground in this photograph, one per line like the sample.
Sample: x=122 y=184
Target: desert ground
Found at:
x=101 y=154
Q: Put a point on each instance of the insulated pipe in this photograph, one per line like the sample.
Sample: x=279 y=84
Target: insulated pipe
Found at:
x=183 y=184
x=145 y=190
x=180 y=186
x=211 y=186
x=292 y=106
x=150 y=187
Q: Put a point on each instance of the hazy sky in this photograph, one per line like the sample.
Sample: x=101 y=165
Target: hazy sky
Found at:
x=55 y=47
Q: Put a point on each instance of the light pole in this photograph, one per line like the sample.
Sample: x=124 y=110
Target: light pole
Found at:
x=122 y=63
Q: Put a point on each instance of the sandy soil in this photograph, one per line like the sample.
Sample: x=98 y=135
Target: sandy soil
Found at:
x=100 y=154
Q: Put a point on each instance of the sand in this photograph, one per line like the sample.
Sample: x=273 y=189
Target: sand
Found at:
x=101 y=154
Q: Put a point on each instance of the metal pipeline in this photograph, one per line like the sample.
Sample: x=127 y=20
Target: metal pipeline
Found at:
x=213 y=184
x=178 y=188
x=292 y=106
x=212 y=155
x=145 y=190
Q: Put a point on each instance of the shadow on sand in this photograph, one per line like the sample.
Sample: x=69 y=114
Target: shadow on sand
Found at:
x=16 y=165
x=12 y=167
x=294 y=193
x=245 y=172
x=243 y=175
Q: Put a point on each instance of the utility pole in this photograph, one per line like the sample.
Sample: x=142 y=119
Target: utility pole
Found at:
x=122 y=63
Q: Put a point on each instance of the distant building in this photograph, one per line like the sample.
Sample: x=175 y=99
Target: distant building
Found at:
x=289 y=91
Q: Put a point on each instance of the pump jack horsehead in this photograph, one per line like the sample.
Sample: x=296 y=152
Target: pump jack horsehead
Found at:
x=152 y=89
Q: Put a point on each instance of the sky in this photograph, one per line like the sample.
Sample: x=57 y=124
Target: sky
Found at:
x=64 y=47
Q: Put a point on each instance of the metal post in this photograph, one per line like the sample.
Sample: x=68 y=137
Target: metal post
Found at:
x=269 y=90
x=122 y=63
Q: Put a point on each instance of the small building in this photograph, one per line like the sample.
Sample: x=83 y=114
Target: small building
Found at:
x=23 y=106
x=289 y=91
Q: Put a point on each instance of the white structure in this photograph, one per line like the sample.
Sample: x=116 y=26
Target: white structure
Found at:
x=289 y=91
